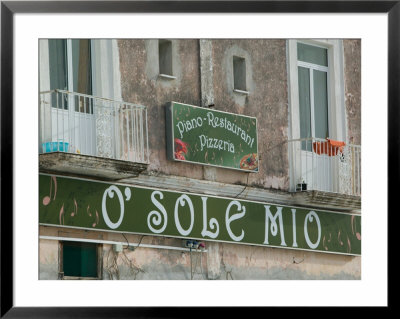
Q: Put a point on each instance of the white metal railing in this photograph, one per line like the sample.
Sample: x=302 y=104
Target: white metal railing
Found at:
x=84 y=124
x=318 y=164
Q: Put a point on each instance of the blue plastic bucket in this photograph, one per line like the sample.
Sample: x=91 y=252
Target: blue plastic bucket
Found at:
x=55 y=147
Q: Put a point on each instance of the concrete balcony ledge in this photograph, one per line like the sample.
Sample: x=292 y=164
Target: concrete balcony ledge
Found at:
x=328 y=199
x=89 y=166
x=311 y=199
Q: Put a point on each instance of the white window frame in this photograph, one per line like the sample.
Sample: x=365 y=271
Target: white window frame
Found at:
x=315 y=67
x=336 y=97
x=106 y=77
x=336 y=105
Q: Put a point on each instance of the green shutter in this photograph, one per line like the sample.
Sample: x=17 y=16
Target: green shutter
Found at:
x=79 y=259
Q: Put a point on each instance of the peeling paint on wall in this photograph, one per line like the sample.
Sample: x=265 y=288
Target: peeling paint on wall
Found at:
x=222 y=261
x=352 y=82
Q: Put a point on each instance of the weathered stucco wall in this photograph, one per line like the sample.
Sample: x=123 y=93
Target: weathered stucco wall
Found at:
x=221 y=261
x=141 y=84
x=48 y=259
x=267 y=100
x=352 y=84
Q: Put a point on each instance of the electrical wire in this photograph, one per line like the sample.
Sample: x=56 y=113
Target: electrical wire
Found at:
x=132 y=247
x=127 y=247
x=247 y=184
x=140 y=241
x=135 y=270
x=114 y=267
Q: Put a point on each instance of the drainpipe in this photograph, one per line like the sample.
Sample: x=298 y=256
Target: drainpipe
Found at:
x=209 y=173
x=207 y=90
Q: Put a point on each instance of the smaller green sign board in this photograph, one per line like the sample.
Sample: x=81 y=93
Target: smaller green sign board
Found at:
x=200 y=135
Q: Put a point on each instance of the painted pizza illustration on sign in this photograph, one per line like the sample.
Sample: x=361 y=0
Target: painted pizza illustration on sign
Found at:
x=249 y=162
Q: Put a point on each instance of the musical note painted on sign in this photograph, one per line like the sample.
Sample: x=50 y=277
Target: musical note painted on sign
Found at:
x=47 y=199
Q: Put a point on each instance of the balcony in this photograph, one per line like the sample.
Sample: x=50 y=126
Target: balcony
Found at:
x=329 y=168
x=91 y=136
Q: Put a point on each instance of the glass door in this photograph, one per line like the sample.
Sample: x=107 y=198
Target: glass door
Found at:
x=316 y=166
x=70 y=66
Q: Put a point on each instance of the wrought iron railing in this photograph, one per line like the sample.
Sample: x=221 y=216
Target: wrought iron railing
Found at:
x=325 y=165
x=84 y=124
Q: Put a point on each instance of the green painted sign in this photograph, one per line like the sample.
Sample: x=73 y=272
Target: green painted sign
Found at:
x=80 y=203
x=203 y=136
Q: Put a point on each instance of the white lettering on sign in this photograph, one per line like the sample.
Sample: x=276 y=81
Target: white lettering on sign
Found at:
x=213 y=222
x=186 y=126
x=310 y=217
x=211 y=227
x=274 y=227
x=109 y=192
x=155 y=216
x=216 y=121
x=294 y=227
x=229 y=219
x=181 y=201
x=210 y=142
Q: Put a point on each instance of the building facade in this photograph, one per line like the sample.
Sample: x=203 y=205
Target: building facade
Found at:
x=270 y=190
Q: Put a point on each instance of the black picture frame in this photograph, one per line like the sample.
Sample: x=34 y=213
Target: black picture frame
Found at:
x=9 y=8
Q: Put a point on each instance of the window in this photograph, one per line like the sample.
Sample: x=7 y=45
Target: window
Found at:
x=81 y=66
x=70 y=65
x=316 y=110
x=316 y=92
x=239 y=74
x=81 y=260
x=58 y=64
x=312 y=65
x=70 y=68
x=165 y=58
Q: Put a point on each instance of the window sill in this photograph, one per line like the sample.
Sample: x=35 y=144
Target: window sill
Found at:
x=241 y=92
x=167 y=77
x=80 y=278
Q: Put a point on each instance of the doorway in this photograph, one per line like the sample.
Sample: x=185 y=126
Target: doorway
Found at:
x=70 y=66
